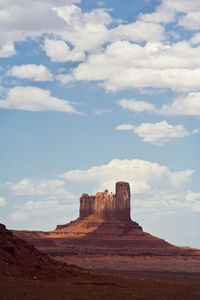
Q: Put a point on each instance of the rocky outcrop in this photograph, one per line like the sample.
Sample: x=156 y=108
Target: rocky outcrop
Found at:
x=104 y=228
x=19 y=258
x=107 y=206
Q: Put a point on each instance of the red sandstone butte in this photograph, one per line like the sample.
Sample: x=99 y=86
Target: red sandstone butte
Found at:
x=108 y=206
x=104 y=228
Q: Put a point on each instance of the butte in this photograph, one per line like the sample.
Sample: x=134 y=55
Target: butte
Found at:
x=104 y=229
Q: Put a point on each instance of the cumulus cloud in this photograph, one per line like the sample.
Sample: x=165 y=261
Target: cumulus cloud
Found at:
x=165 y=203
x=138 y=31
x=47 y=198
x=162 y=14
x=191 y=20
x=125 y=127
x=195 y=40
x=142 y=175
x=113 y=57
x=136 y=105
x=89 y=31
x=85 y=31
x=16 y=24
x=188 y=105
x=167 y=11
x=59 y=51
x=2 y=201
x=35 y=99
x=123 y=65
x=157 y=133
x=29 y=187
x=39 y=212
x=7 y=49
x=32 y=72
x=154 y=187
x=192 y=196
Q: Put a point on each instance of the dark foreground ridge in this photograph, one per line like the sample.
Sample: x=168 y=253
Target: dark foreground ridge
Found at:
x=104 y=228
x=20 y=259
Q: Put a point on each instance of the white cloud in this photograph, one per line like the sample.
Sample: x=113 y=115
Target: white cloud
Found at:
x=85 y=31
x=32 y=72
x=89 y=31
x=65 y=78
x=2 y=201
x=38 y=213
x=164 y=203
x=7 y=49
x=135 y=105
x=18 y=216
x=59 y=51
x=157 y=133
x=160 y=132
x=167 y=11
x=35 y=99
x=188 y=105
x=17 y=23
x=143 y=176
x=99 y=112
x=192 y=196
x=49 y=198
x=123 y=65
x=195 y=40
x=29 y=187
x=183 y=5
x=155 y=188
x=62 y=19
x=162 y=14
x=191 y=20
x=138 y=31
x=125 y=127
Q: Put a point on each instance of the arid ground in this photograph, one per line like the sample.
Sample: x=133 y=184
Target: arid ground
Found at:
x=139 y=278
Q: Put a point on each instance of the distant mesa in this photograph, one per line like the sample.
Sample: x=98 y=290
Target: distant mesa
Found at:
x=104 y=229
x=105 y=208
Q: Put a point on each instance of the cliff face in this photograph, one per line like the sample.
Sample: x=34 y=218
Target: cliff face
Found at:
x=104 y=228
x=107 y=206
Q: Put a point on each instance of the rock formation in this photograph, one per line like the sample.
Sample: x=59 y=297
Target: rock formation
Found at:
x=104 y=228
x=107 y=206
x=20 y=259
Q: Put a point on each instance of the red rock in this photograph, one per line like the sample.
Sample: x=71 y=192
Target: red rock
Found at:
x=104 y=228
x=20 y=259
x=107 y=206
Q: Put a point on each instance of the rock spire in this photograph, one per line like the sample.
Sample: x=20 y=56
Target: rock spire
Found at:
x=107 y=206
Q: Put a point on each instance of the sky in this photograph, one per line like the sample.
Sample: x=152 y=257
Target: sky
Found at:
x=94 y=92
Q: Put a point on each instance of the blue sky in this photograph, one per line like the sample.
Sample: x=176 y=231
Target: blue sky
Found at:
x=92 y=92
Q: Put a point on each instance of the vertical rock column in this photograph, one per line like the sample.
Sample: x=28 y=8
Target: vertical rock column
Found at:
x=104 y=205
x=86 y=206
x=108 y=206
x=123 y=201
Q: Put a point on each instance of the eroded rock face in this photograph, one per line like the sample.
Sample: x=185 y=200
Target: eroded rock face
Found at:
x=107 y=206
x=123 y=200
x=104 y=229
